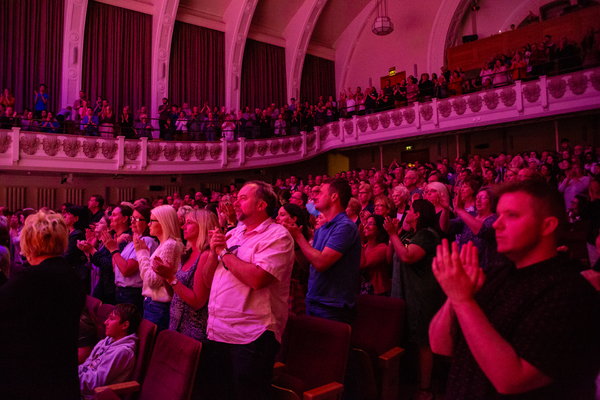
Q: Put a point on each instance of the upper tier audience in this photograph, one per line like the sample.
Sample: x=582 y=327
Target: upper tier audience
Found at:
x=182 y=122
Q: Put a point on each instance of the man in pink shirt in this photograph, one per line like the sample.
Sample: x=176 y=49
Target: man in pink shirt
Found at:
x=249 y=273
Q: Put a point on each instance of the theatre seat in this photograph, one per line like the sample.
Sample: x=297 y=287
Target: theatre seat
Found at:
x=92 y=304
x=146 y=334
x=170 y=374
x=376 y=334
x=314 y=362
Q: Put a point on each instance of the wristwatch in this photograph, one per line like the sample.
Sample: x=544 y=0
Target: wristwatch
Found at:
x=224 y=252
x=174 y=282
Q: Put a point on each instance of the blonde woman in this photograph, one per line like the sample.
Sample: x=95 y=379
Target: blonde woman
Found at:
x=164 y=225
x=189 y=311
x=39 y=310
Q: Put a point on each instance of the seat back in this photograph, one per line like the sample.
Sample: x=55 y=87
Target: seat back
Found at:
x=102 y=315
x=172 y=367
x=146 y=334
x=92 y=304
x=377 y=327
x=317 y=351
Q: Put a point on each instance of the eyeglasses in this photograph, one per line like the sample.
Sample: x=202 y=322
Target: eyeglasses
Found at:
x=136 y=219
x=152 y=221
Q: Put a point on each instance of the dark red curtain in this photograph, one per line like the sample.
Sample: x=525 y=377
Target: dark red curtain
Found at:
x=117 y=56
x=31 y=37
x=263 y=75
x=197 y=67
x=318 y=79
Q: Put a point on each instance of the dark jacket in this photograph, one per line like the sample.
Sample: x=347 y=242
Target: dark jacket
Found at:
x=39 y=327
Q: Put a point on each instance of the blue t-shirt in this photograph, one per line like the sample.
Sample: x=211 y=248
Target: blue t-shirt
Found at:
x=39 y=103
x=339 y=284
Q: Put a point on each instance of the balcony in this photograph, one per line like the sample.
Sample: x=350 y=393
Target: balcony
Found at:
x=544 y=97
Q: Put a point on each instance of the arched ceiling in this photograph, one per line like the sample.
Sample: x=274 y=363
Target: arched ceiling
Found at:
x=271 y=17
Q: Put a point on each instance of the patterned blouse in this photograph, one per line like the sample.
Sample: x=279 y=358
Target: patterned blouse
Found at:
x=184 y=319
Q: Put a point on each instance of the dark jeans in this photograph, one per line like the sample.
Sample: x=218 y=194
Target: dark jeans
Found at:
x=236 y=371
x=131 y=295
x=158 y=313
x=344 y=314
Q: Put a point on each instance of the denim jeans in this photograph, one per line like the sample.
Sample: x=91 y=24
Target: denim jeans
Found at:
x=131 y=295
x=237 y=371
x=344 y=314
x=158 y=313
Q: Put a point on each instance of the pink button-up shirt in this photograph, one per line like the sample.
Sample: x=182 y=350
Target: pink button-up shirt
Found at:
x=238 y=314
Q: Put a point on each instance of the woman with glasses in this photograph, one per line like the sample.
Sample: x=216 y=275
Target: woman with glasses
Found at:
x=164 y=225
x=475 y=226
x=104 y=256
x=383 y=206
x=189 y=310
x=413 y=280
x=127 y=273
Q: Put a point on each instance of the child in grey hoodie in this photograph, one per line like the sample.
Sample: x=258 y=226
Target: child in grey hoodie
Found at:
x=113 y=358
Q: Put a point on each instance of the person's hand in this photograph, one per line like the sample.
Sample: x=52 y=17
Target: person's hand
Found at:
x=593 y=277
x=124 y=238
x=457 y=274
x=221 y=215
x=445 y=202
x=89 y=234
x=110 y=243
x=391 y=226
x=414 y=197
x=218 y=241
x=294 y=229
x=35 y=92
x=161 y=269
x=138 y=243
x=85 y=246
x=364 y=215
x=361 y=232
x=459 y=202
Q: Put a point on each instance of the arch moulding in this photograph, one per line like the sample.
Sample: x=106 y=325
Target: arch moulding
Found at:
x=163 y=23
x=237 y=18
x=296 y=44
x=73 y=32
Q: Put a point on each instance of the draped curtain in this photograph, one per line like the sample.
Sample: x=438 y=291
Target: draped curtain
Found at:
x=197 y=66
x=318 y=79
x=117 y=56
x=31 y=36
x=263 y=75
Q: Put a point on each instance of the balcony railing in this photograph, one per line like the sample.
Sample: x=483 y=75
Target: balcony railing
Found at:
x=543 y=97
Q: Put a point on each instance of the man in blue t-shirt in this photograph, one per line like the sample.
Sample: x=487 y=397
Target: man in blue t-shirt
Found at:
x=335 y=257
x=41 y=101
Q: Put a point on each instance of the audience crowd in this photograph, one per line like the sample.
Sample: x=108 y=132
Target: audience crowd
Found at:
x=206 y=123
x=226 y=267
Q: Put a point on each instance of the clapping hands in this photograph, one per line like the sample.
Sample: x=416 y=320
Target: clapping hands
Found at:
x=459 y=275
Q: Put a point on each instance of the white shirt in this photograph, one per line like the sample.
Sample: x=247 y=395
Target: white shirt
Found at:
x=238 y=314
x=128 y=253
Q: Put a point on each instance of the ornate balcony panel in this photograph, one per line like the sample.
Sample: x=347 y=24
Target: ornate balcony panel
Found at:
x=539 y=98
